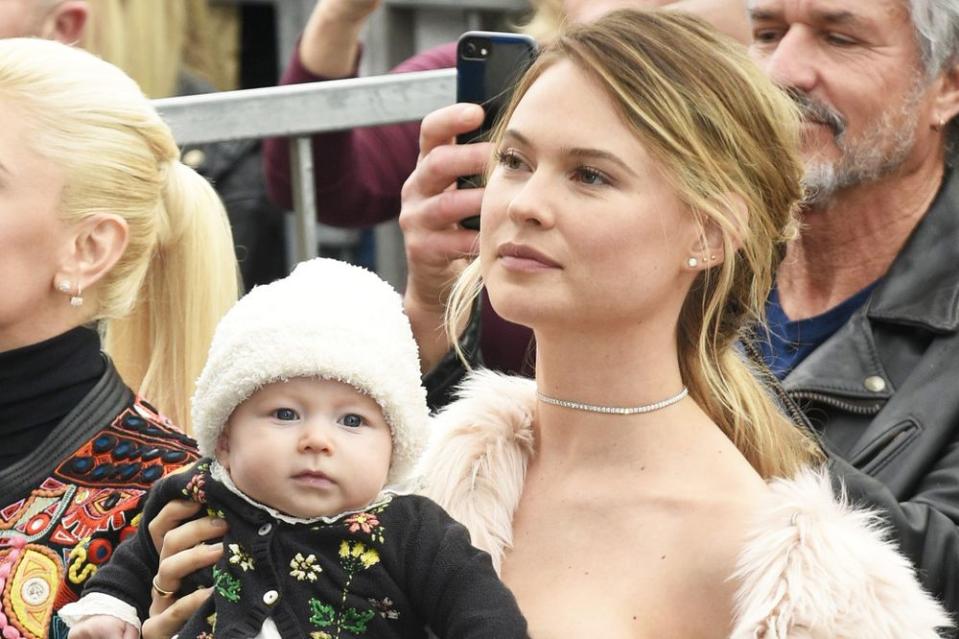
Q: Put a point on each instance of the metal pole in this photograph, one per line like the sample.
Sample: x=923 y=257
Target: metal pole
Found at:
x=304 y=200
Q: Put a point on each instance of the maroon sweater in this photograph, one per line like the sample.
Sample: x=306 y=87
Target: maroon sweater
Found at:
x=358 y=175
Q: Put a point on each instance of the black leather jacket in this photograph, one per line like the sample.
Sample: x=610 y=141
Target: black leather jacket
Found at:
x=883 y=392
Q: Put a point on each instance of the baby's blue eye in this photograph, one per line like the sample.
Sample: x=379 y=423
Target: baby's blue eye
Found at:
x=285 y=414
x=352 y=420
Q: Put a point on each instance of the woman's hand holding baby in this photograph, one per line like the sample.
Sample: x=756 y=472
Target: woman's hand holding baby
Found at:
x=182 y=552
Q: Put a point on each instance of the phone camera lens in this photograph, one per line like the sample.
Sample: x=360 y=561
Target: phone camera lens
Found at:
x=471 y=49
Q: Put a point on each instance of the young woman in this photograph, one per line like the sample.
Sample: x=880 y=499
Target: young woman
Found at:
x=645 y=484
x=101 y=227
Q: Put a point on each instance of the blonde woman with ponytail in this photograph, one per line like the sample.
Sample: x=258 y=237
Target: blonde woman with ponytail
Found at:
x=646 y=483
x=103 y=232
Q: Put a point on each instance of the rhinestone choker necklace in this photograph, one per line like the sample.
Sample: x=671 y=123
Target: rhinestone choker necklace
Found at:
x=615 y=410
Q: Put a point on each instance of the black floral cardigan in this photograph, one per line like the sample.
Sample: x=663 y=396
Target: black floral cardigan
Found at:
x=391 y=570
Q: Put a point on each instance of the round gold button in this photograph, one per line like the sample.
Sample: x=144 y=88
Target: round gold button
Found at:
x=875 y=384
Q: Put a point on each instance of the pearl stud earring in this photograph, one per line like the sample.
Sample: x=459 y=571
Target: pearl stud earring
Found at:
x=77 y=300
x=692 y=262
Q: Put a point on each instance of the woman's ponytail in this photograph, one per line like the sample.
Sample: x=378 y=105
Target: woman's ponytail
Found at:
x=191 y=280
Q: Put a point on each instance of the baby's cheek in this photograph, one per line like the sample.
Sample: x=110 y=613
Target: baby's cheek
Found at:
x=250 y=476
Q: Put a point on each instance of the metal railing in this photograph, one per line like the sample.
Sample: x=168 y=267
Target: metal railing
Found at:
x=297 y=111
x=395 y=31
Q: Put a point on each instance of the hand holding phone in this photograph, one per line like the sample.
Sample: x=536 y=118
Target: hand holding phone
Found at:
x=488 y=66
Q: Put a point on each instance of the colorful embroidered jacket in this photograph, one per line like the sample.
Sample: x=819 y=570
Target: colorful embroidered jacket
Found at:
x=391 y=570
x=65 y=508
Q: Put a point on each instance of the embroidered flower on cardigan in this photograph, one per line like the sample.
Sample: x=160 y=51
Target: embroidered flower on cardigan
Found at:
x=356 y=554
x=241 y=558
x=325 y=616
x=304 y=568
x=213 y=513
x=368 y=522
x=226 y=585
x=384 y=608
x=194 y=489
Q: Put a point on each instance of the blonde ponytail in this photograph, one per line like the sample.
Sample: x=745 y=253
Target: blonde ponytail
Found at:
x=160 y=346
x=159 y=304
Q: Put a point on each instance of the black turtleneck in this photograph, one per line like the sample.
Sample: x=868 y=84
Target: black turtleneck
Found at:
x=40 y=384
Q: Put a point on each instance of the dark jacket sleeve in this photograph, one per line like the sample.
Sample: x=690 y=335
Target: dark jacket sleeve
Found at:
x=129 y=573
x=358 y=173
x=453 y=585
x=926 y=527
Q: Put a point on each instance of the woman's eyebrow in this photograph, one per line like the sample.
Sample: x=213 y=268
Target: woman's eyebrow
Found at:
x=577 y=152
x=598 y=154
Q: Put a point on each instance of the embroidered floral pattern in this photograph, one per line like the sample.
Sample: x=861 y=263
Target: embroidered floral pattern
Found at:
x=368 y=523
x=195 y=489
x=226 y=585
x=305 y=568
x=357 y=556
x=240 y=558
x=384 y=608
x=350 y=619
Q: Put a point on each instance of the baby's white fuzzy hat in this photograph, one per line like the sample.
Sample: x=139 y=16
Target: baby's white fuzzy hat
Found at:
x=327 y=319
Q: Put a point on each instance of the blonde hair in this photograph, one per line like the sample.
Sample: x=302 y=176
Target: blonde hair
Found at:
x=154 y=40
x=546 y=21
x=719 y=129
x=159 y=304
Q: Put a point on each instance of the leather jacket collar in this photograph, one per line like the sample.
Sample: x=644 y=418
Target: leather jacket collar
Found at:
x=921 y=289
x=922 y=285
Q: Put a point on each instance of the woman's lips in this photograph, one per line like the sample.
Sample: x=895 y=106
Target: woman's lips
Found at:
x=519 y=257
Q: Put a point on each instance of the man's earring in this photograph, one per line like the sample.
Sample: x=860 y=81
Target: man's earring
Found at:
x=692 y=262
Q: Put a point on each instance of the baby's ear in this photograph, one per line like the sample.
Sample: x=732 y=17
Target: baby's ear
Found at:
x=222 y=452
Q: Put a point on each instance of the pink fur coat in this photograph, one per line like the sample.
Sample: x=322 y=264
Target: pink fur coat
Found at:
x=813 y=568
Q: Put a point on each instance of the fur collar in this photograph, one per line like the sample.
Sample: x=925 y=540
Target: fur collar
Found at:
x=813 y=568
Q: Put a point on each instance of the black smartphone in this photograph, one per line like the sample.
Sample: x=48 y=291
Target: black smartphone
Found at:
x=488 y=65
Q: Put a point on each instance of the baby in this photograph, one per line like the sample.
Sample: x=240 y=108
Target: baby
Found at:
x=310 y=414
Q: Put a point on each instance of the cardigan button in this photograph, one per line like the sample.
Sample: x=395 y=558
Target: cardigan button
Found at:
x=270 y=597
x=875 y=384
x=265 y=530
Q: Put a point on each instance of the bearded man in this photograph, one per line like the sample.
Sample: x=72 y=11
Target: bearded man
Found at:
x=864 y=321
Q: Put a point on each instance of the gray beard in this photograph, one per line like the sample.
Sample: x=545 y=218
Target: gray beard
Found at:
x=880 y=151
